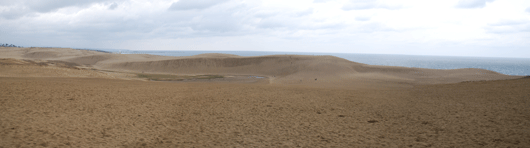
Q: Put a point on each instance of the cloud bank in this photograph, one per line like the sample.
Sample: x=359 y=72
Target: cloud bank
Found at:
x=472 y=3
x=351 y=26
x=194 y=4
x=367 y=4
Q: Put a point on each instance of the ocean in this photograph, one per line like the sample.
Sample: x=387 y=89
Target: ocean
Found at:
x=508 y=66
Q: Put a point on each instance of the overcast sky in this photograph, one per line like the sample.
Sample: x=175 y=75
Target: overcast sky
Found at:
x=487 y=28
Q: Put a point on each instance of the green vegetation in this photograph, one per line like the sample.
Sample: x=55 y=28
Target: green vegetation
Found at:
x=166 y=77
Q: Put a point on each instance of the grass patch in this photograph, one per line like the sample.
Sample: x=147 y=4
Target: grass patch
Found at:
x=103 y=70
x=165 y=77
x=208 y=76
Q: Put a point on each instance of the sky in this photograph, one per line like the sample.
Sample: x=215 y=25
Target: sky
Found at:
x=481 y=28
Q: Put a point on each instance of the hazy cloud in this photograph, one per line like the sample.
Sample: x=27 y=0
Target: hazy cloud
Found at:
x=528 y=9
x=145 y=21
x=472 y=3
x=52 y=5
x=508 y=29
x=221 y=22
x=321 y=1
x=292 y=21
x=508 y=26
x=262 y=25
x=19 y=8
x=374 y=27
x=14 y=12
x=266 y=13
x=305 y=12
x=508 y=23
x=367 y=4
x=362 y=18
x=113 y=6
x=194 y=4
x=360 y=5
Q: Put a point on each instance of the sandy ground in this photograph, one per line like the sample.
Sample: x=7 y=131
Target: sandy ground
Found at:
x=47 y=99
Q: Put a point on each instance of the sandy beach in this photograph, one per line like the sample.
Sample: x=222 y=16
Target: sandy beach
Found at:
x=58 y=97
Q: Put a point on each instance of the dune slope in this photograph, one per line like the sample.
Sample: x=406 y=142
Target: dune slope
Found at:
x=301 y=69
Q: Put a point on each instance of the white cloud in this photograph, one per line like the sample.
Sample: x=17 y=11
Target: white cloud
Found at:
x=305 y=12
x=361 y=18
x=321 y=1
x=367 y=4
x=374 y=27
x=509 y=23
x=194 y=4
x=509 y=26
x=472 y=3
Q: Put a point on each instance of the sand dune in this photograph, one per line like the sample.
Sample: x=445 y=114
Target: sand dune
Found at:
x=71 y=98
x=90 y=60
x=280 y=69
x=27 y=68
